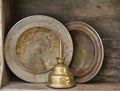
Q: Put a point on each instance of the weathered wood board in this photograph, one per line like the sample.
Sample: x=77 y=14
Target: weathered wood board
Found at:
x=1 y=47
x=103 y=15
x=5 y=24
x=22 y=86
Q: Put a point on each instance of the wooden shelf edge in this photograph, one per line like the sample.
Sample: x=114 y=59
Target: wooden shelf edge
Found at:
x=24 y=86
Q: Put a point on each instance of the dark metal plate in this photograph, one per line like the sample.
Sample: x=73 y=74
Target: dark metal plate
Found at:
x=88 y=51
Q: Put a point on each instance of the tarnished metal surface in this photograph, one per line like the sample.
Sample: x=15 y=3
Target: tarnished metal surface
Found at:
x=88 y=51
x=31 y=47
x=84 y=53
x=36 y=49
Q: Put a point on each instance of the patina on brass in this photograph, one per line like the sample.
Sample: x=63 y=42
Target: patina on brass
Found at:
x=60 y=76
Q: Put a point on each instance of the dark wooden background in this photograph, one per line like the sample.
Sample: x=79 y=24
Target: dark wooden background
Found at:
x=103 y=15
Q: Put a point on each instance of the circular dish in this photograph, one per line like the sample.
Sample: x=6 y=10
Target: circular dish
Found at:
x=88 y=51
x=32 y=45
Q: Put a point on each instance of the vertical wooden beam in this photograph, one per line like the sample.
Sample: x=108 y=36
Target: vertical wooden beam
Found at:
x=1 y=45
x=5 y=22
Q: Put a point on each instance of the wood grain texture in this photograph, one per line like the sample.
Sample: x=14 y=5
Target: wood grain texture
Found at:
x=22 y=86
x=67 y=9
x=5 y=20
x=110 y=71
x=103 y=15
x=1 y=45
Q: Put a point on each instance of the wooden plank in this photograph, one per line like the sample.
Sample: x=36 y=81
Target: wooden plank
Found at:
x=103 y=15
x=1 y=45
x=5 y=24
x=110 y=71
x=22 y=86
x=67 y=8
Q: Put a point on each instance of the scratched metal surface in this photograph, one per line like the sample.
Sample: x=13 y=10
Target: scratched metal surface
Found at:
x=88 y=51
x=36 y=49
x=32 y=46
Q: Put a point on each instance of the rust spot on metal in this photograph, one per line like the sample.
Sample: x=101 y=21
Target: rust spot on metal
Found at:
x=37 y=49
x=84 y=53
x=88 y=51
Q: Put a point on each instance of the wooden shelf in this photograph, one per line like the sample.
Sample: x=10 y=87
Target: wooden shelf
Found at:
x=18 y=86
x=103 y=15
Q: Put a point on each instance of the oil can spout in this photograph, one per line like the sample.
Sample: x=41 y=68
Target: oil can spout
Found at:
x=60 y=76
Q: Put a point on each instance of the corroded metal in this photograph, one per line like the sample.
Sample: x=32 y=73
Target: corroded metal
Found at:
x=88 y=51
x=32 y=44
x=36 y=49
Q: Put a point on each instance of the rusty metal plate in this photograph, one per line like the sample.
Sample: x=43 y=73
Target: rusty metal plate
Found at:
x=88 y=51
x=32 y=45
